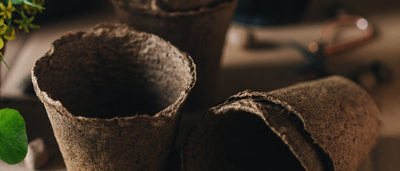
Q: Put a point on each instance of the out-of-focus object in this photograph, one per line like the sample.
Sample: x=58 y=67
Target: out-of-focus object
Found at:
x=58 y=8
x=269 y=12
x=373 y=75
x=184 y=5
x=320 y=50
x=37 y=155
x=200 y=33
x=332 y=28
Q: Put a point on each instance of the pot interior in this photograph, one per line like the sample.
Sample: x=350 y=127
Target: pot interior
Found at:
x=242 y=141
x=108 y=73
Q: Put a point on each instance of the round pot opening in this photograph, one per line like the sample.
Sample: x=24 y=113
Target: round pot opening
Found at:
x=110 y=73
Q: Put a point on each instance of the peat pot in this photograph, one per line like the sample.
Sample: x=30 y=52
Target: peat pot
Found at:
x=113 y=96
x=328 y=124
x=196 y=27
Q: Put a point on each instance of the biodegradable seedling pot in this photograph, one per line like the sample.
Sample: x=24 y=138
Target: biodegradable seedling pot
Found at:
x=184 y=5
x=199 y=31
x=329 y=124
x=113 y=96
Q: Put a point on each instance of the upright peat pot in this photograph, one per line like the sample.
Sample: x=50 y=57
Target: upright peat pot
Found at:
x=113 y=96
x=196 y=27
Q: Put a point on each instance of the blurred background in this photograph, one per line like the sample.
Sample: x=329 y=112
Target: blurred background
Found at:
x=270 y=44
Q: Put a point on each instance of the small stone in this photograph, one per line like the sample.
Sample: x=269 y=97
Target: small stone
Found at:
x=37 y=155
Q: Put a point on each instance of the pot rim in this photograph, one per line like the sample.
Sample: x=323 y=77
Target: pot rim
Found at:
x=159 y=12
x=164 y=113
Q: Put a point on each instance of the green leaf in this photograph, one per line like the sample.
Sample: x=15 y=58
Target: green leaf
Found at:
x=5 y=63
x=13 y=138
x=27 y=2
x=14 y=2
x=17 y=2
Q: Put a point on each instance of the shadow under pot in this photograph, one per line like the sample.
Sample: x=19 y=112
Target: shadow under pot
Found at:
x=113 y=96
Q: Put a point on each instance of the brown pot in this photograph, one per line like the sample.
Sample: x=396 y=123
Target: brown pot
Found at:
x=199 y=32
x=113 y=96
x=329 y=124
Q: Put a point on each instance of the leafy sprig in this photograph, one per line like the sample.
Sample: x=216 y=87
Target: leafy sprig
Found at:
x=25 y=11
x=13 y=137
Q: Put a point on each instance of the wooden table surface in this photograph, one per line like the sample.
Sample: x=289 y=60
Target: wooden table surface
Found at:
x=260 y=69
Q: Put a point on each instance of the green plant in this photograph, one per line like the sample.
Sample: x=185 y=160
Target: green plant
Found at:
x=17 y=12
x=13 y=138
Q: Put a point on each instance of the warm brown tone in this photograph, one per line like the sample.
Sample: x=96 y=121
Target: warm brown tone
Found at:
x=328 y=124
x=199 y=32
x=113 y=96
x=172 y=5
x=182 y=5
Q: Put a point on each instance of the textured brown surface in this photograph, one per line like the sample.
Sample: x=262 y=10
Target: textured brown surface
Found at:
x=113 y=96
x=201 y=33
x=328 y=124
x=181 y=5
x=171 y=5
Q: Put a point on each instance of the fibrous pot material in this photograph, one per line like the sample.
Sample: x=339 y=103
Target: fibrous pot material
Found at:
x=199 y=32
x=182 y=5
x=171 y=5
x=328 y=124
x=113 y=96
